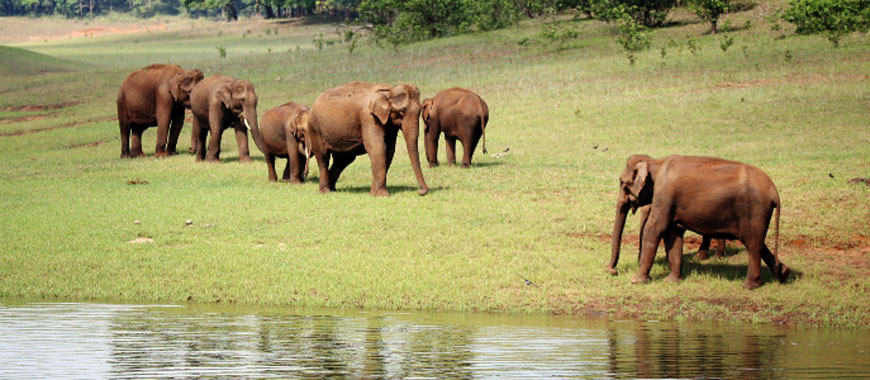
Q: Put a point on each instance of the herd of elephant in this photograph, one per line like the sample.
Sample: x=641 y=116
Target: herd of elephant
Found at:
x=717 y=198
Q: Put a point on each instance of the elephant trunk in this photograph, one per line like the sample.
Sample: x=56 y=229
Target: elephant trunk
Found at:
x=410 y=131
x=255 y=129
x=622 y=206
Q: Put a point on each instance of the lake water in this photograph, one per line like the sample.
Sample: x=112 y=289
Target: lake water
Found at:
x=83 y=340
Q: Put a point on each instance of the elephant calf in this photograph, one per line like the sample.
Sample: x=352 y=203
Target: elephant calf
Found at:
x=710 y=196
x=459 y=114
x=220 y=102
x=155 y=95
x=282 y=131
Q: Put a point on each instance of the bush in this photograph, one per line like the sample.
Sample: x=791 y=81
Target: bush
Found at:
x=830 y=18
x=633 y=37
x=709 y=10
x=649 y=13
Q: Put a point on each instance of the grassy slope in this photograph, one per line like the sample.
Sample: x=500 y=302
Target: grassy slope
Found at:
x=794 y=107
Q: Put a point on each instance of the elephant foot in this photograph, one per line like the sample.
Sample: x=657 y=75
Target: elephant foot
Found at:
x=719 y=256
x=433 y=165
x=161 y=154
x=674 y=278
x=640 y=279
x=612 y=271
x=292 y=181
x=703 y=255
x=125 y=155
x=172 y=152
x=325 y=190
x=751 y=284
x=783 y=272
x=245 y=160
x=466 y=166
x=213 y=160
x=379 y=192
x=137 y=154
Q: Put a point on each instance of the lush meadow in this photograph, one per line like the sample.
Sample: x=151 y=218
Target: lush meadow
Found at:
x=80 y=223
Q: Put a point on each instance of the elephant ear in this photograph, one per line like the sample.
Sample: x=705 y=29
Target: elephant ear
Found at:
x=224 y=96
x=379 y=106
x=427 y=111
x=300 y=124
x=175 y=87
x=239 y=89
x=400 y=98
x=641 y=173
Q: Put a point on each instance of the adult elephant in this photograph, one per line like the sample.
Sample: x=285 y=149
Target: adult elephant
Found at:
x=459 y=114
x=702 y=253
x=220 y=102
x=710 y=196
x=358 y=118
x=154 y=96
x=282 y=130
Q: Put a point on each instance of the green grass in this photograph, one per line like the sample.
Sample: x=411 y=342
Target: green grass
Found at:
x=544 y=212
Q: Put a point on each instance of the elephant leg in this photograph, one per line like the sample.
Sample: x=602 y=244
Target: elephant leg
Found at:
x=720 y=248
x=174 y=131
x=125 y=137
x=432 y=148
x=136 y=142
x=674 y=248
x=644 y=215
x=242 y=140
x=323 y=164
x=194 y=136
x=339 y=162
x=450 y=144
x=754 y=247
x=201 y=136
x=469 y=144
x=705 y=246
x=390 y=140
x=164 y=117
x=286 y=176
x=779 y=269
x=270 y=166
x=375 y=142
x=652 y=234
x=214 y=142
x=294 y=163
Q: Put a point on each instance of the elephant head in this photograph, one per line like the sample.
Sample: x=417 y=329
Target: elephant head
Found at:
x=399 y=106
x=240 y=99
x=299 y=126
x=427 y=113
x=635 y=190
x=182 y=84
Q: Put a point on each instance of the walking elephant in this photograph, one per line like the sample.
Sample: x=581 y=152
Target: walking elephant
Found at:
x=364 y=118
x=459 y=114
x=282 y=130
x=710 y=196
x=220 y=102
x=702 y=250
x=155 y=95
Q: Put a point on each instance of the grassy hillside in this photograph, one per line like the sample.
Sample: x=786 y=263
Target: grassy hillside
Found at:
x=794 y=107
x=18 y=61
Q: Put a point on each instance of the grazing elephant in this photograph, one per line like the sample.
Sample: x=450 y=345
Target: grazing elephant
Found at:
x=459 y=114
x=282 y=130
x=155 y=95
x=358 y=118
x=702 y=251
x=220 y=102
x=710 y=196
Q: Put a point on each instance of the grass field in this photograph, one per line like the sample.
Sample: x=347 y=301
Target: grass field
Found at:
x=795 y=107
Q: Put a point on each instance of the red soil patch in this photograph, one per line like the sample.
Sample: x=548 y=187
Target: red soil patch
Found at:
x=67 y=125
x=105 y=31
x=23 y=119
x=39 y=108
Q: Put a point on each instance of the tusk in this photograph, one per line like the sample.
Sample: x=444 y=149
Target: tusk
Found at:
x=307 y=152
x=246 y=123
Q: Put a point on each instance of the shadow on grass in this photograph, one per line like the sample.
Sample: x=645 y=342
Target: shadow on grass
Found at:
x=254 y=159
x=721 y=269
x=486 y=164
x=390 y=189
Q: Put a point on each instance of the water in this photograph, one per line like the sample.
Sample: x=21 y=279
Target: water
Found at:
x=77 y=340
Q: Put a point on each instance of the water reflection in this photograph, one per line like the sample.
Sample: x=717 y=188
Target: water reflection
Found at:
x=67 y=340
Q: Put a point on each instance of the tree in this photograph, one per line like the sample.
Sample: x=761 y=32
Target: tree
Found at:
x=830 y=18
x=709 y=10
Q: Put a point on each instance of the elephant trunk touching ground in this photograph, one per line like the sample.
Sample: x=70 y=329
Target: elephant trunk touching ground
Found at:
x=410 y=131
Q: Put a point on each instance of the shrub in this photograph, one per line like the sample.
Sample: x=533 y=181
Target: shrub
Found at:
x=830 y=18
x=633 y=37
x=649 y=13
x=709 y=10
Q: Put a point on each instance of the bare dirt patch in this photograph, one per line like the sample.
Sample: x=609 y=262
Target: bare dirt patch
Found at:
x=67 y=125
x=46 y=107
x=24 y=119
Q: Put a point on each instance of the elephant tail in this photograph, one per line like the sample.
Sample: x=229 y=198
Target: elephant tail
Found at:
x=484 y=118
x=778 y=206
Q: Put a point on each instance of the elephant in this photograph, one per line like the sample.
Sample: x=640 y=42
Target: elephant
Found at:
x=282 y=130
x=710 y=196
x=459 y=114
x=220 y=102
x=702 y=250
x=364 y=118
x=155 y=95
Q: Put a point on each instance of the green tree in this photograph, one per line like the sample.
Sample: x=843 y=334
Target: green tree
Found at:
x=830 y=18
x=709 y=11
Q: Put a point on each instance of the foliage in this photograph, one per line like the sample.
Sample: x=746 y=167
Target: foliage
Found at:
x=649 y=13
x=557 y=36
x=830 y=18
x=633 y=37
x=709 y=10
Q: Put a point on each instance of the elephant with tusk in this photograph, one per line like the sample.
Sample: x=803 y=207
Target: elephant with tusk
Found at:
x=218 y=103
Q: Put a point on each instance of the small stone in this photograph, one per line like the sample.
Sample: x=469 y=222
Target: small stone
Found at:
x=188 y=222
x=140 y=240
x=136 y=222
